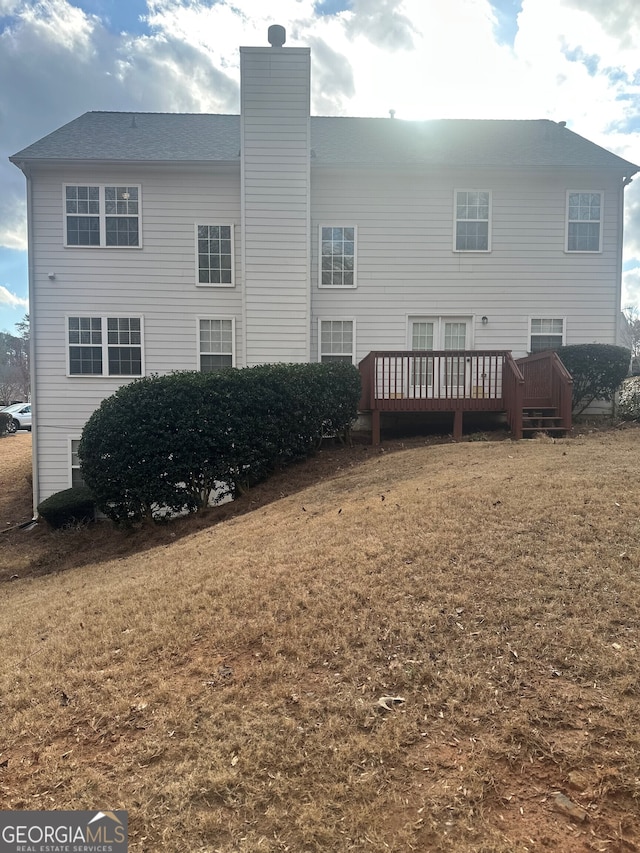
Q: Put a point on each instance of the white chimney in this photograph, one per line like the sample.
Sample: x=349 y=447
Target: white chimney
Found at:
x=275 y=158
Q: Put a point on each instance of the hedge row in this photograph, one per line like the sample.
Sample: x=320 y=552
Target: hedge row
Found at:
x=169 y=442
x=597 y=370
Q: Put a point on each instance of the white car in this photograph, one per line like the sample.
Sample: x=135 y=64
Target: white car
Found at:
x=20 y=416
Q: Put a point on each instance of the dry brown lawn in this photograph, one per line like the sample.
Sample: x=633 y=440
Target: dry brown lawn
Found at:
x=221 y=678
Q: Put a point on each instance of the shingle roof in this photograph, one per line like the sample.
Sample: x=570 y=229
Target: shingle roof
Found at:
x=162 y=137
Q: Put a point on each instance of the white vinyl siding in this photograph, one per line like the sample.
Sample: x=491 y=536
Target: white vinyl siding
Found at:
x=215 y=255
x=584 y=221
x=546 y=333
x=472 y=221
x=106 y=216
x=275 y=201
x=216 y=336
x=104 y=346
x=337 y=341
x=337 y=256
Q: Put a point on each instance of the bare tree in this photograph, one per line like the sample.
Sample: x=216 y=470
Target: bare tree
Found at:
x=14 y=364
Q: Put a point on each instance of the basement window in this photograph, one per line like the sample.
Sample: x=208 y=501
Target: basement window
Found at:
x=337 y=339
x=217 y=344
x=546 y=334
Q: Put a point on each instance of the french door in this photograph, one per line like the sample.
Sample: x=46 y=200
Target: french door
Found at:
x=439 y=377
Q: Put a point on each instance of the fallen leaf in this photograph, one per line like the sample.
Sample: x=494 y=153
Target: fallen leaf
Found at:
x=390 y=702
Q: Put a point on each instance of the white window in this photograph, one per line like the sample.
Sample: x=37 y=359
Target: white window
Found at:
x=336 y=341
x=337 y=256
x=105 y=346
x=473 y=219
x=584 y=222
x=215 y=255
x=74 y=468
x=102 y=215
x=546 y=334
x=216 y=343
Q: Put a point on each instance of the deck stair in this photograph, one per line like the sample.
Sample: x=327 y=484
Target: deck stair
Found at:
x=536 y=419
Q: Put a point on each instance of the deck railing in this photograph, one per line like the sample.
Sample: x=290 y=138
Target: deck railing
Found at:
x=454 y=381
x=548 y=384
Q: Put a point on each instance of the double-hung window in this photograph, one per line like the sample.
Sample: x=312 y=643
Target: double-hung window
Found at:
x=337 y=256
x=216 y=337
x=215 y=255
x=336 y=341
x=546 y=333
x=584 y=222
x=75 y=470
x=104 y=346
x=473 y=221
x=102 y=215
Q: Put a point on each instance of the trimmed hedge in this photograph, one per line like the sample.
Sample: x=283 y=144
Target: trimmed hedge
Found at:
x=597 y=369
x=71 y=506
x=6 y=422
x=168 y=442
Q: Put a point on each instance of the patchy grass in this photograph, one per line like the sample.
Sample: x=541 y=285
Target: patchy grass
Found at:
x=224 y=686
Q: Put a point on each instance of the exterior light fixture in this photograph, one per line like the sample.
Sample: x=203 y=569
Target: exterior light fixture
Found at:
x=485 y=320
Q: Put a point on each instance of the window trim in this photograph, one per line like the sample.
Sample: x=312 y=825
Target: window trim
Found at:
x=330 y=319
x=105 y=346
x=199 y=283
x=489 y=221
x=353 y=286
x=199 y=352
x=539 y=317
x=102 y=215
x=568 y=221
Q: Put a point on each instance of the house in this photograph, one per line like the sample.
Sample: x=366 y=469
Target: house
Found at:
x=162 y=242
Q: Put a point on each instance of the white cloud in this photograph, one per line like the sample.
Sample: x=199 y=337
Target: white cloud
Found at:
x=631 y=287
x=573 y=60
x=8 y=298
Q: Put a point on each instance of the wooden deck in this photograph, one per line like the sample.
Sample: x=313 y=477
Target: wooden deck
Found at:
x=533 y=390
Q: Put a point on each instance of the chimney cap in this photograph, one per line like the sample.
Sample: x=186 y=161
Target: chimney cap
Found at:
x=276 y=35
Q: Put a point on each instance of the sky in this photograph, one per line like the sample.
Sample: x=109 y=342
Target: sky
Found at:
x=567 y=60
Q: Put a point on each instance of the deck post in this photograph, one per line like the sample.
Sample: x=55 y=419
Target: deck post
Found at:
x=375 y=427
x=457 y=424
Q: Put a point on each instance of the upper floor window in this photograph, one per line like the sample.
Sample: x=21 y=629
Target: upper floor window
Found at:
x=546 y=334
x=215 y=254
x=337 y=341
x=584 y=222
x=217 y=350
x=473 y=210
x=102 y=216
x=337 y=256
x=105 y=346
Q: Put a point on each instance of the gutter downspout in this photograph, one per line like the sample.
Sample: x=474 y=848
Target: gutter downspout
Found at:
x=618 y=306
x=32 y=339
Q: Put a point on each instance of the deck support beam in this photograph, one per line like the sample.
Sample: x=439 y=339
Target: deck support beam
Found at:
x=457 y=424
x=375 y=427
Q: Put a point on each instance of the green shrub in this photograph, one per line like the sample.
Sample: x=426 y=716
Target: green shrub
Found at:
x=6 y=422
x=597 y=370
x=166 y=443
x=629 y=401
x=71 y=506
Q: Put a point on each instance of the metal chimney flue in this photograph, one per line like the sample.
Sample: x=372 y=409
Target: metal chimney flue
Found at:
x=276 y=35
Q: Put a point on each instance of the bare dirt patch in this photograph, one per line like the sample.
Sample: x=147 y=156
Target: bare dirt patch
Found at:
x=224 y=685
